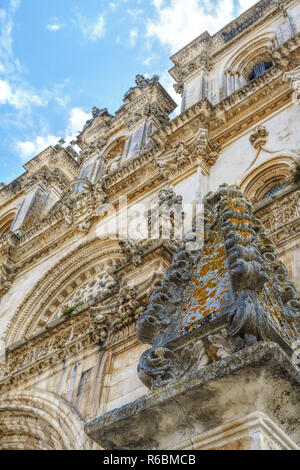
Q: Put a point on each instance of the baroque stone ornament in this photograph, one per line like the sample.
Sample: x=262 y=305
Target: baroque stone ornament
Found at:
x=229 y=294
x=258 y=137
x=7 y=265
x=205 y=150
x=113 y=321
x=165 y=219
x=79 y=209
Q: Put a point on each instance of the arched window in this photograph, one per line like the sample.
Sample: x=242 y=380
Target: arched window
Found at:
x=259 y=69
x=274 y=190
x=268 y=178
x=248 y=63
x=114 y=153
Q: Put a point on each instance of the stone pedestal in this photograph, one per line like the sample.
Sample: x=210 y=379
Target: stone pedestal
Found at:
x=246 y=401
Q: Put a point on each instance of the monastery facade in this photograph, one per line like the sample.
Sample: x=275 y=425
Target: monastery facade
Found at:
x=84 y=256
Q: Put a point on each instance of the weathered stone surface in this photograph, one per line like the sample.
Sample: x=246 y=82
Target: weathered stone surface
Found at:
x=234 y=280
x=257 y=379
x=58 y=252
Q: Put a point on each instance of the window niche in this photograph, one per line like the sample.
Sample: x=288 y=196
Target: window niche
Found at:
x=114 y=154
x=257 y=66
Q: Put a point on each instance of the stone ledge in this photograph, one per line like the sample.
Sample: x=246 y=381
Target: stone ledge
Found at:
x=261 y=378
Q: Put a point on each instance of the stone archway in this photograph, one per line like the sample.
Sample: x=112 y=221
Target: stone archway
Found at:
x=59 y=283
x=35 y=420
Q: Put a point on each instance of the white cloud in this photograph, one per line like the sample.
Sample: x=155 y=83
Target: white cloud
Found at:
x=245 y=4
x=176 y=24
x=14 y=91
x=14 y=4
x=135 y=13
x=91 y=30
x=148 y=60
x=29 y=148
x=133 y=36
x=167 y=82
x=19 y=97
x=77 y=119
x=5 y=92
x=54 y=25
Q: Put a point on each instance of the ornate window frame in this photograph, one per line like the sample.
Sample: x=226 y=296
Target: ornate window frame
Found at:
x=260 y=180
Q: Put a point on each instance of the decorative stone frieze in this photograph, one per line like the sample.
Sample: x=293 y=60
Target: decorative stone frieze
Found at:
x=43 y=350
x=281 y=216
x=79 y=210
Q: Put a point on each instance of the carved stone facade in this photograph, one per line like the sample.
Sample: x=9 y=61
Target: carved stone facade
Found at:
x=101 y=256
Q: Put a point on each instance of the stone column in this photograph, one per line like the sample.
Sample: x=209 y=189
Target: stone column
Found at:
x=237 y=81
x=202 y=85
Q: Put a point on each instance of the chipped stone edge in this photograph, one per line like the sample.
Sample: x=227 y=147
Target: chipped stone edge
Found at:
x=257 y=355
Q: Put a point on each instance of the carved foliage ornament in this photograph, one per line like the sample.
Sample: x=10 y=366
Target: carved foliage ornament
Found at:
x=160 y=366
x=205 y=150
x=79 y=210
x=234 y=278
x=110 y=319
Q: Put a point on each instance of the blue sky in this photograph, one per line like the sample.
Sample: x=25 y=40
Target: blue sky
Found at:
x=59 y=58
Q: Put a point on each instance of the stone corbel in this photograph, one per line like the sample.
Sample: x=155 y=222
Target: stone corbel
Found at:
x=205 y=151
x=177 y=159
x=132 y=250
